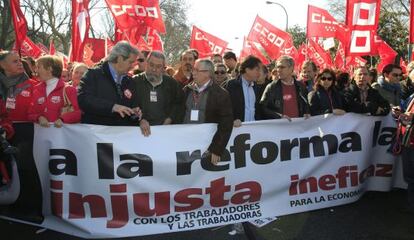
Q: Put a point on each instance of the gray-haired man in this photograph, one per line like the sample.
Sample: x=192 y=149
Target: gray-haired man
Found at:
x=107 y=94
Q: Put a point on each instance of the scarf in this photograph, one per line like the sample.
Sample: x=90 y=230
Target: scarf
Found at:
x=392 y=87
x=8 y=85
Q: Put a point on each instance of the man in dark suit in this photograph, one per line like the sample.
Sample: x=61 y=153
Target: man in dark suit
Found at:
x=107 y=94
x=207 y=102
x=243 y=92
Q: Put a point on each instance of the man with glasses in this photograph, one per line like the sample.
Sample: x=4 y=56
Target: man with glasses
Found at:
x=286 y=97
x=220 y=71
x=207 y=102
x=388 y=85
x=243 y=91
x=159 y=96
x=360 y=97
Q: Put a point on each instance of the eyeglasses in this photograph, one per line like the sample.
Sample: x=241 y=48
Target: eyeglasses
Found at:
x=141 y=60
x=326 y=78
x=396 y=75
x=220 y=72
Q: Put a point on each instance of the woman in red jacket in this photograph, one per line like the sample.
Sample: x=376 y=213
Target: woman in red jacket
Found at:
x=48 y=96
x=16 y=87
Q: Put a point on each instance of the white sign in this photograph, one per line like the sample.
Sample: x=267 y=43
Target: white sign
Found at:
x=105 y=181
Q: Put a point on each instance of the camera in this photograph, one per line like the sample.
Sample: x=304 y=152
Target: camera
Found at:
x=134 y=117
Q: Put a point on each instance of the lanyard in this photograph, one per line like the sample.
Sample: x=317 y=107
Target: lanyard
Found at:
x=196 y=97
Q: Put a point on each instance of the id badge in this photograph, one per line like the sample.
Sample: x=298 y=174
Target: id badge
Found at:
x=11 y=103
x=194 y=115
x=153 y=96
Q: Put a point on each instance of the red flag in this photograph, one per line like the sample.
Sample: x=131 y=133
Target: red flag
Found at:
x=249 y=48
x=119 y=35
x=65 y=61
x=29 y=48
x=19 y=22
x=403 y=65
x=132 y=13
x=133 y=36
x=358 y=61
x=340 y=58
x=347 y=63
x=319 y=56
x=52 y=49
x=142 y=45
x=87 y=55
x=80 y=28
x=362 y=19
x=322 y=24
x=43 y=48
x=97 y=47
x=411 y=21
x=289 y=49
x=386 y=53
x=154 y=41
x=206 y=44
x=302 y=56
x=270 y=37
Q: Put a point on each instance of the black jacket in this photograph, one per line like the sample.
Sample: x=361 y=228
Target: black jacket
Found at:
x=235 y=89
x=272 y=100
x=172 y=92
x=98 y=93
x=321 y=102
x=218 y=110
x=373 y=102
x=407 y=88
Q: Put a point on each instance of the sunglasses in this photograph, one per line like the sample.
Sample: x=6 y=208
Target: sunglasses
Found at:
x=220 y=72
x=326 y=78
x=141 y=60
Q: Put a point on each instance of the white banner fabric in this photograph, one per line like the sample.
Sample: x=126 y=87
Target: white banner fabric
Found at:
x=101 y=181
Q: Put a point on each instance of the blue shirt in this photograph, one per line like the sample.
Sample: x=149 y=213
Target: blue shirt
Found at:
x=117 y=79
x=249 y=100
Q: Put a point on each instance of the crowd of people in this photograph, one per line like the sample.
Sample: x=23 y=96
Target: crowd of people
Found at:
x=134 y=88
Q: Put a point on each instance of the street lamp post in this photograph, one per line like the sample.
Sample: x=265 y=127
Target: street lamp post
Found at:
x=284 y=9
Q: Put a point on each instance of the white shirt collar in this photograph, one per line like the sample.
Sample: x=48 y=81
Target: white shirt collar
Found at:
x=202 y=88
x=51 y=85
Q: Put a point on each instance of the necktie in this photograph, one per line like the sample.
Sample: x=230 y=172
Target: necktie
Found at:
x=119 y=87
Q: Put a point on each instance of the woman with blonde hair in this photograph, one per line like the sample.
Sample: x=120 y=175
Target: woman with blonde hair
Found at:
x=53 y=100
